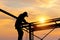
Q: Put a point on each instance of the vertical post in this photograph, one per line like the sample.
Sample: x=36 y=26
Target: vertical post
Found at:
x=41 y=39
x=32 y=35
x=30 y=31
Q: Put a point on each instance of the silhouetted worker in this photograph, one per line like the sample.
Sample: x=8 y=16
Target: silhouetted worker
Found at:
x=18 y=25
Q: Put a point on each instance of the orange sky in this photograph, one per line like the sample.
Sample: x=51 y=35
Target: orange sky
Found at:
x=35 y=9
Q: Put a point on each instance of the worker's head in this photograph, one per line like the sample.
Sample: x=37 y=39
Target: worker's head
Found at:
x=25 y=14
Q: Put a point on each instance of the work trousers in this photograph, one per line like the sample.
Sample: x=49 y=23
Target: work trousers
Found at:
x=20 y=34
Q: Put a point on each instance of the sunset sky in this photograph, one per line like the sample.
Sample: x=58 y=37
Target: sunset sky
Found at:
x=36 y=9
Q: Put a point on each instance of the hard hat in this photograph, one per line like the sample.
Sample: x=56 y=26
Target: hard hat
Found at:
x=25 y=13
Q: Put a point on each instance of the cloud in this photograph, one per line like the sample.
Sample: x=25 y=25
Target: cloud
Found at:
x=17 y=3
x=28 y=3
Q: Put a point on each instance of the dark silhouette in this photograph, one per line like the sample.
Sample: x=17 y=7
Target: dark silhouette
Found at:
x=19 y=24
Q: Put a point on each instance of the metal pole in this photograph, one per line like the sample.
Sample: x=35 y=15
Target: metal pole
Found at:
x=30 y=31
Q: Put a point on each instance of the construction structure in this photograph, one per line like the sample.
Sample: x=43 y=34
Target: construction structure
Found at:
x=32 y=26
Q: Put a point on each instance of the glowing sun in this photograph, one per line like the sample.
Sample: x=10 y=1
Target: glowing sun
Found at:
x=43 y=19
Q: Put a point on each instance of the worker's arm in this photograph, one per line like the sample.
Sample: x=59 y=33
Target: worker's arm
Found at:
x=25 y=21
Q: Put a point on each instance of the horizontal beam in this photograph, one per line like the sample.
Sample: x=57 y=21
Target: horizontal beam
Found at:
x=52 y=20
x=46 y=27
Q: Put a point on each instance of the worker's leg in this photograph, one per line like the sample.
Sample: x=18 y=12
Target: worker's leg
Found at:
x=20 y=34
